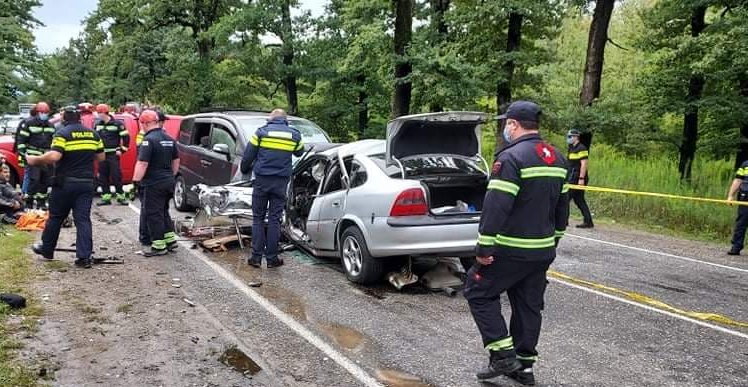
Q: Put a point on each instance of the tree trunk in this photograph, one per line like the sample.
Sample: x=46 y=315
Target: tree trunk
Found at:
x=598 y=37
x=504 y=86
x=691 y=116
x=441 y=31
x=288 y=55
x=363 y=105
x=743 y=146
x=403 y=68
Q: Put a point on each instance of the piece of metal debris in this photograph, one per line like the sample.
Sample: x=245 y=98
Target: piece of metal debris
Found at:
x=254 y=284
x=190 y=303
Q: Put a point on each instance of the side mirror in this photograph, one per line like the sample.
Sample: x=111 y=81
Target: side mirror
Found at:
x=222 y=149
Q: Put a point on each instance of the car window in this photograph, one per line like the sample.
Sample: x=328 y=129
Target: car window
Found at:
x=310 y=133
x=358 y=174
x=221 y=135
x=185 y=132
x=334 y=181
x=202 y=134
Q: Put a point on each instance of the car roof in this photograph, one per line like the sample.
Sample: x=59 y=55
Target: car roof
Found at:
x=237 y=114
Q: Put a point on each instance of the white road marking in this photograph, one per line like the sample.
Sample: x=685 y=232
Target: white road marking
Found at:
x=652 y=309
x=660 y=253
x=357 y=372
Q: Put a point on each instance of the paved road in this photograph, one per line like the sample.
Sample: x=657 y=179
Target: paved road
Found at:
x=310 y=327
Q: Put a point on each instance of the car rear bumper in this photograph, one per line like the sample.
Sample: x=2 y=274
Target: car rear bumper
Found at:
x=392 y=237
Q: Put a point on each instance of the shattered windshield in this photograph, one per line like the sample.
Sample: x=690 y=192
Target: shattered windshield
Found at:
x=310 y=133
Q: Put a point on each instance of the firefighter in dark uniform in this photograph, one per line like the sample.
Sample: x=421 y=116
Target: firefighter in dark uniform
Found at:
x=157 y=164
x=143 y=235
x=739 y=191
x=579 y=174
x=525 y=213
x=116 y=139
x=268 y=155
x=74 y=149
x=34 y=138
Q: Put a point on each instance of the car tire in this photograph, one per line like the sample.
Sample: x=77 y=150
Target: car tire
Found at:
x=360 y=267
x=180 y=195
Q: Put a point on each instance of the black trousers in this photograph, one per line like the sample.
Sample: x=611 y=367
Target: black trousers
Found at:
x=155 y=204
x=143 y=236
x=268 y=199
x=741 y=224
x=75 y=196
x=525 y=283
x=110 y=174
x=40 y=178
x=578 y=197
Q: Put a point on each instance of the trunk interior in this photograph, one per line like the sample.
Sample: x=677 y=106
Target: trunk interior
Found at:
x=456 y=195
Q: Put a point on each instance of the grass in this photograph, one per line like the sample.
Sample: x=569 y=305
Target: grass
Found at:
x=16 y=270
x=124 y=308
x=611 y=168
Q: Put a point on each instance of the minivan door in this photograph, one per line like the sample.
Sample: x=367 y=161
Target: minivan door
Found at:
x=220 y=158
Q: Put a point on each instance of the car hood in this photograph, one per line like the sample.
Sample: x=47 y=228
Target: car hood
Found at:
x=445 y=133
x=6 y=142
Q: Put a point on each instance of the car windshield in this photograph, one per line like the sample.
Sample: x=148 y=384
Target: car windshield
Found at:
x=310 y=133
x=428 y=165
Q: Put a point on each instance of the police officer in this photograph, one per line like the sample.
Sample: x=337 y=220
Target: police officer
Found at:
x=157 y=164
x=268 y=155
x=739 y=191
x=525 y=213
x=579 y=174
x=34 y=138
x=74 y=149
x=116 y=139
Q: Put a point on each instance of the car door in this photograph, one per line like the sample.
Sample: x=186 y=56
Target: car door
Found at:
x=218 y=168
x=331 y=208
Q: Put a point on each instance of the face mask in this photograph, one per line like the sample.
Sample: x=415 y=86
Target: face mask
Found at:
x=507 y=133
x=43 y=116
x=569 y=140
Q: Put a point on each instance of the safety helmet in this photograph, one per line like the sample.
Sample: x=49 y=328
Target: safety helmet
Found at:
x=148 y=116
x=573 y=132
x=102 y=108
x=85 y=107
x=42 y=107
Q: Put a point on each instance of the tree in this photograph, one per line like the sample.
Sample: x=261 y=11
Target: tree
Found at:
x=17 y=53
x=598 y=38
x=403 y=11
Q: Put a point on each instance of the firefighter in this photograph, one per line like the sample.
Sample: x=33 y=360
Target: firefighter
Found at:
x=116 y=139
x=74 y=149
x=21 y=163
x=739 y=191
x=34 y=138
x=268 y=155
x=578 y=165
x=143 y=236
x=525 y=213
x=87 y=114
x=158 y=163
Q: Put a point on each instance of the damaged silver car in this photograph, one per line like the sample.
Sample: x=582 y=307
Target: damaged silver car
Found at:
x=419 y=193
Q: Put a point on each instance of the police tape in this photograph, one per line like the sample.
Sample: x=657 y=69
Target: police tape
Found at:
x=656 y=194
x=646 y=300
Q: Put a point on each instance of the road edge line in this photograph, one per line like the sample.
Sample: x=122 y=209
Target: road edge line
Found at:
x=357 y=372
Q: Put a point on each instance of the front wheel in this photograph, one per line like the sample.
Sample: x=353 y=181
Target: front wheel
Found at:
x=360 y=267
x=180 y=195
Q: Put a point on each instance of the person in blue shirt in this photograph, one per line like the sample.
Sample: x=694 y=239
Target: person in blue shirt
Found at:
x=268 y=156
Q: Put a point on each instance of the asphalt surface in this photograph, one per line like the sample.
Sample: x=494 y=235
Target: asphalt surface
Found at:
x=308 y=326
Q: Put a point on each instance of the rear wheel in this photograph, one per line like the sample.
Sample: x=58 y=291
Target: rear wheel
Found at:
x=360 y=267
x=180 y=195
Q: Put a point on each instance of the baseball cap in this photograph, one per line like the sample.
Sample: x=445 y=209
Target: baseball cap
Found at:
x=522 y=111
x=574 y=132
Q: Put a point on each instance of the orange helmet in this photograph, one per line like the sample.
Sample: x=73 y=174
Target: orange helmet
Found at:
x=102 y=108
x=148 y=116
x=42 y=107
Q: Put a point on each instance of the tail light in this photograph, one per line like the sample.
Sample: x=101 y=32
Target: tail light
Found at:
x=410 y=202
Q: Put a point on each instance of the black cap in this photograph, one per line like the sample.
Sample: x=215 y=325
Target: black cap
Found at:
x=522 y=111
x=574 y=132
x=161 y=116
x=71 y=114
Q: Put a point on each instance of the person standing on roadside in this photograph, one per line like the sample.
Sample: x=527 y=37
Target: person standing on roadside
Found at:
x=579 y=165
x=739 y=191
x=268 y=155
x=116 y=139
x=158 y=163
x=74 y=149
x=34 y=138
x=525 y=213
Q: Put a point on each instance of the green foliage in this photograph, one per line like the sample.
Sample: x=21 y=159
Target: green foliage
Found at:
x=17 y=51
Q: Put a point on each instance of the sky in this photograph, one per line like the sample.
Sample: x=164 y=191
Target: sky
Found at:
x=62 y=20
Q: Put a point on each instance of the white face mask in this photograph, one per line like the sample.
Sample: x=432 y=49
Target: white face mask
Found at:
x=507 y=133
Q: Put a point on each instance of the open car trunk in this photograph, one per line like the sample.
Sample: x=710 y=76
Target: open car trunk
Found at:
x=455 y=195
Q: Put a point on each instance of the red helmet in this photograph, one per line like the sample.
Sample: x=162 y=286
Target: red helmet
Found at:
x=129 y=108
x=102 y=108
x=42 y=107
x=85 y=107
x=148 y=116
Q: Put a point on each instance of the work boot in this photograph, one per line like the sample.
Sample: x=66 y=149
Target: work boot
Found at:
x=122 y=199
x=155 y=252
x=585 y=225
x=171 y=246
x=733 y=251
x=38 y=248
x=8 y=219
x=83 y=263
x=256 y=263
x=106 y=199
x=524 y=376
x=500 y=363
x=275 y=263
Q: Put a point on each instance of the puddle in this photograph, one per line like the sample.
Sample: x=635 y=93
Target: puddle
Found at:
x=344 y=336
x=239 y=361
x=287 y=300
x=395 y=378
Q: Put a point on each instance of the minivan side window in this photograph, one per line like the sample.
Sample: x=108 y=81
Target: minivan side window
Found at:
x=221 y=135
x=201 y=135
x=185 y=131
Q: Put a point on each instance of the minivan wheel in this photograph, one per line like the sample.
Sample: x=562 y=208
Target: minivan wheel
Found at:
x=360 y=267
x=180 y=195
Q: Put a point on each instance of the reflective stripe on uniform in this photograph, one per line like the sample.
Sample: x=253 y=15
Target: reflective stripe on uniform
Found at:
x=123 y=133
x=254 y=140
x=527 y=358
x=559 y=234
x=34 y=152
x=21 y=146
x=742 y=172
x=526 y=243
x=486 y=240
x=59 y=142
x=170 y=237
x=36 y=129
x=24 y=133
x=528 y=173
x=49 y=129
x=278 y=144
x=279 y=134
x=504 y=344
x=578 y=155
x=565 y=188
x=159 y=244
x=82 y=145
x=503 y=185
